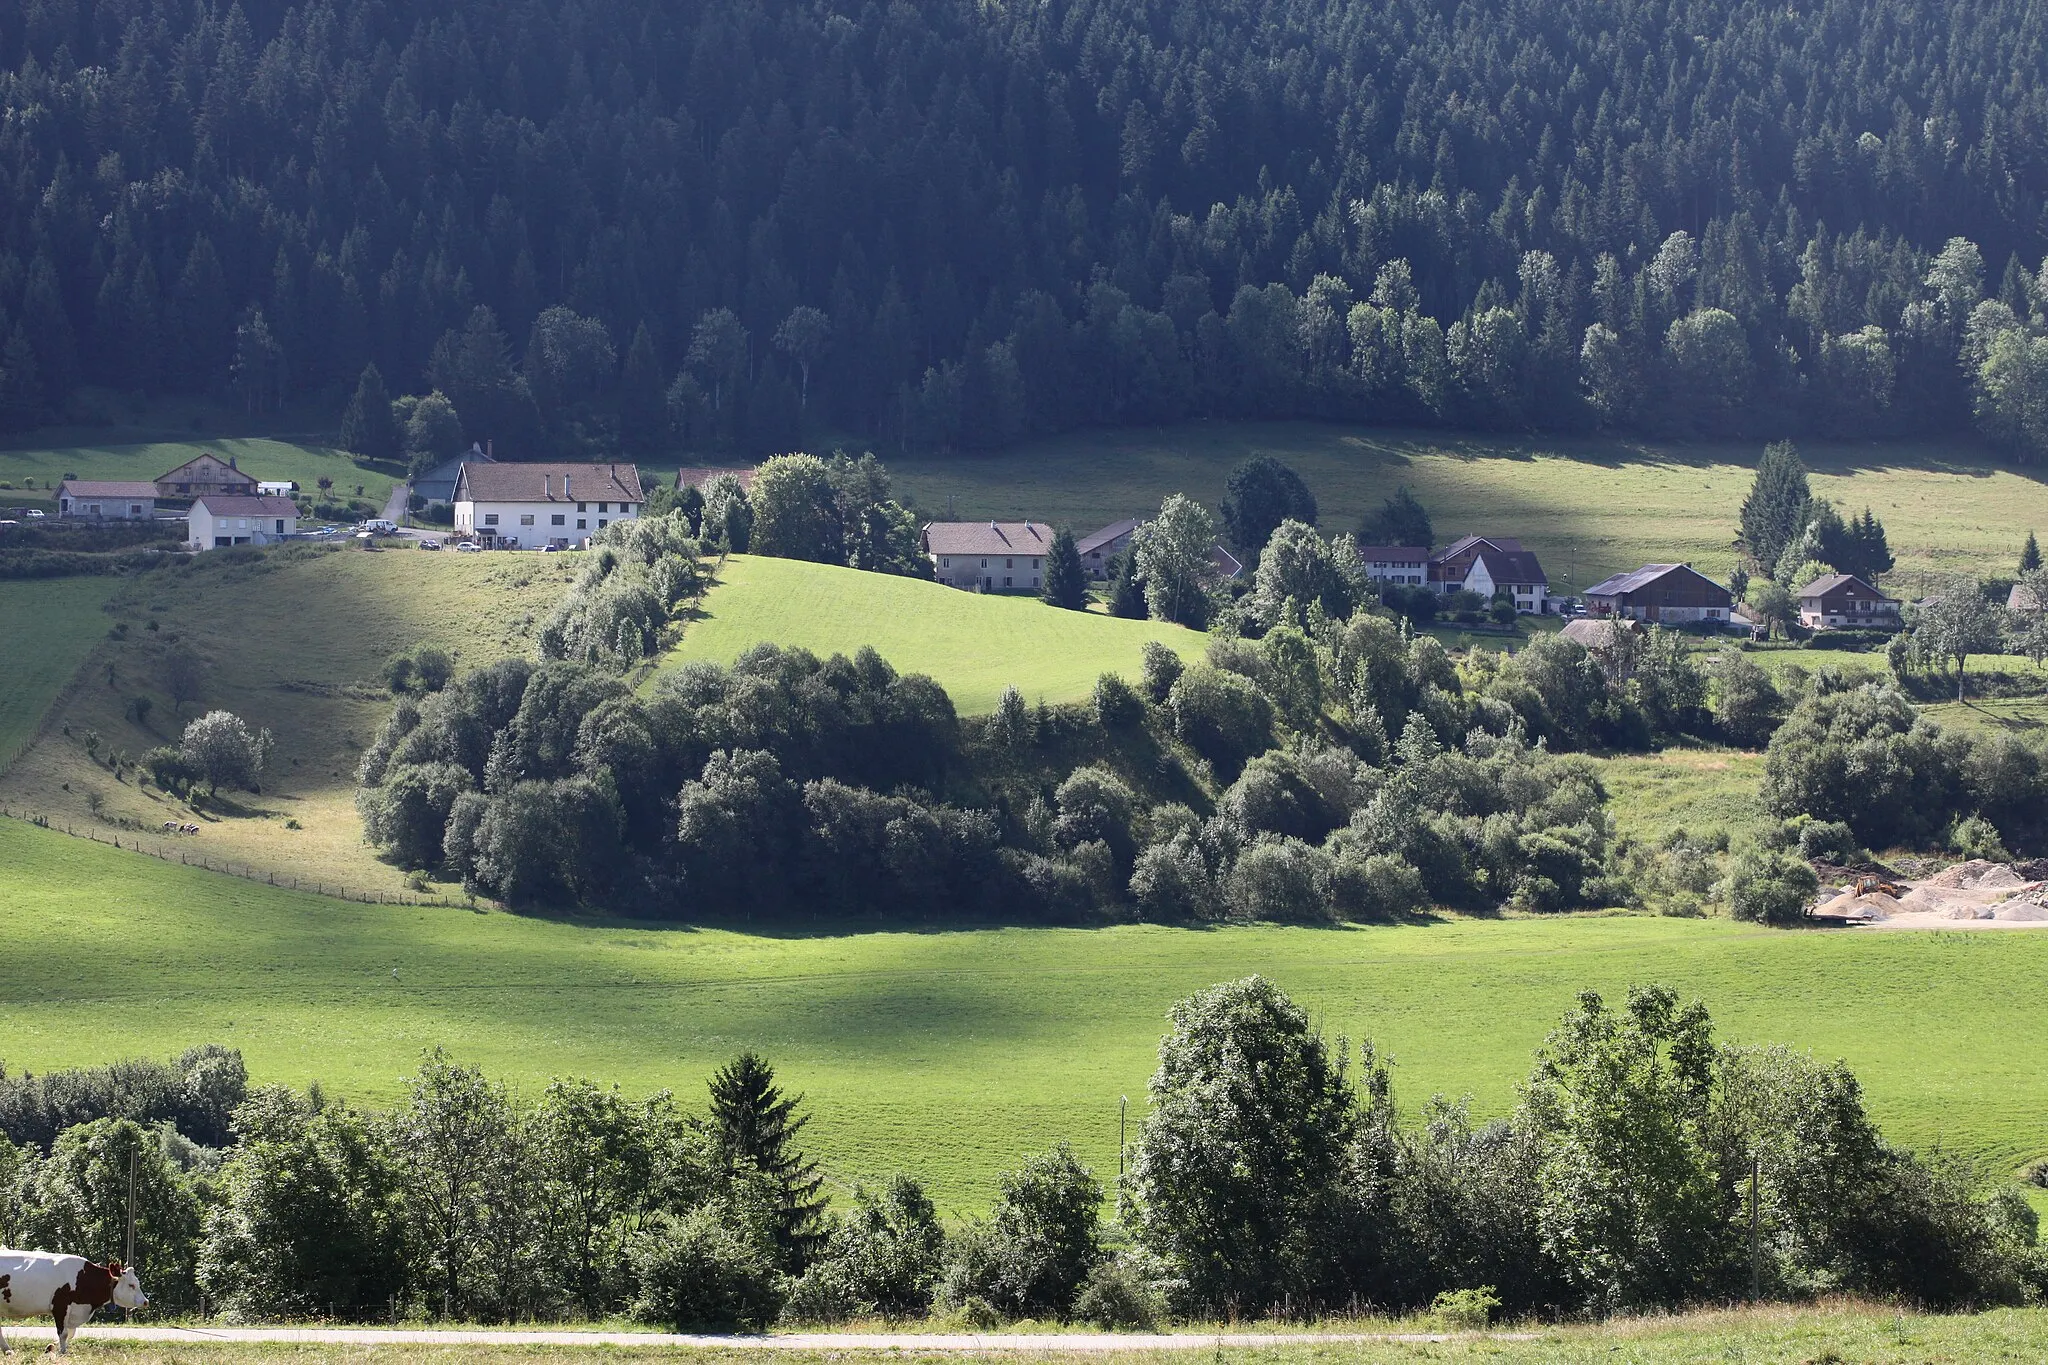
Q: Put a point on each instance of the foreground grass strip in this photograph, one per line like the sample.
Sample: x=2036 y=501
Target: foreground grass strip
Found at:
x=952 y=1055
x=973 y=644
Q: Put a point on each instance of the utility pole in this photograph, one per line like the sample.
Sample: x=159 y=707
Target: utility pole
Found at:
x=1756 y=1274
x=128 y=1257
x=1123 y=1106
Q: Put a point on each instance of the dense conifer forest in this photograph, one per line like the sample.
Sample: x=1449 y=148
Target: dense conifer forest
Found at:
x=645 y=225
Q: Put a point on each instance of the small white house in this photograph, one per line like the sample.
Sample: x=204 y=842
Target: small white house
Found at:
x=218 y=520
x=511 y=505
x=106 y=499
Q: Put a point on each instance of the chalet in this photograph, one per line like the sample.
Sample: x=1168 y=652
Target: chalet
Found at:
x=994 y=556
x=1489 y=564
x=1104 y=545
x=1672 y=594
x=1599 y=632
x=1407 y=565
x=218 y=520
x=2024 y=598
x=510 y=506
x=438 y=484
x=203 y=474
x=106 y=499
x=1843 y=601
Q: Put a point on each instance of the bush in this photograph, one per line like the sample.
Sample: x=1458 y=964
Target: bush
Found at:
x=1162 y=669
x=1117 y=704
x=1118 y=1298
x=697 y=1272
x=1977 y=837
x=1221 y=716
x=1828 y=841
x=1465 y=1310
x=1769 y=888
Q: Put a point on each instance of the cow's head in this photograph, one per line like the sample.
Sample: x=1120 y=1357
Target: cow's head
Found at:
x=127 y=1288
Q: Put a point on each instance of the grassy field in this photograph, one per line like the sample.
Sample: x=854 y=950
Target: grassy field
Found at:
x=1697 y=790
x=293 y=642
x=47 y=628
x=1588 y=507
x=975 y=645
x=1829 y=1334
x=259 y=457
x=954 y=1054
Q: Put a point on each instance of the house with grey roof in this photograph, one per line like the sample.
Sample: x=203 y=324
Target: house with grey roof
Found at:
x=1842 y=601
x=1100 y=547
x=218 y=520
x=106 y=499
x=524 y=506
x=991 y=556
x=1489 y=564
x=1672 y=594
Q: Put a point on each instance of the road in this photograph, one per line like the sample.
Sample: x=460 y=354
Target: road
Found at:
x=1076 y=1342
x=394 y=506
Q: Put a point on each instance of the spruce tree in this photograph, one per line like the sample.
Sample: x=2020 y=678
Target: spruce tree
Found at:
x=1873 y=549
x=1127 y=590
x=1776 y=509
x=1066 y=583
x=643 y=402
x=2030 y=555
x=368 y=428
x=1401 y=520
x=755 y=1125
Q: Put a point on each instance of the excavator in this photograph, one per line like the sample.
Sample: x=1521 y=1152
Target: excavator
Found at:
x=1868 y=886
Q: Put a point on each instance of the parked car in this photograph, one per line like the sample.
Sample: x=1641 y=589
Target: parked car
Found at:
x=549 y=549
x=469 y=547
x=36 y=514
x=430 y=544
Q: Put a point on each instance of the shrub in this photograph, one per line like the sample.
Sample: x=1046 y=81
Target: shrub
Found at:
x=1162 y=669
x=698 y=1272
x=1279 y=879
x=1769 y=887
x=1828 y=841
x=1040 y=1244
x=1171 y=882
x=1465 y=1310
x=1221 y=716
x=1117 y=705
x=1118 y=1298
x=1976 y=837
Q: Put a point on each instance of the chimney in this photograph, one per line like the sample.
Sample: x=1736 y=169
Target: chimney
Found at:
x=489 y=448
x=546 y=488
x=567 y=496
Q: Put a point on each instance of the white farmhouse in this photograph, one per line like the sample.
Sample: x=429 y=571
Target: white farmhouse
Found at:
x=106 y=499
x=512 y=506
x=992 y=556
x=218 y=520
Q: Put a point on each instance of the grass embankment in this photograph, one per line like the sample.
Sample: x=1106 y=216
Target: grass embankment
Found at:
x=1588 y=507
x=1863 y=1333
x=954 y=1054
x=292 y=642
x=973 y=644
x=47 y=628
x=258 y=457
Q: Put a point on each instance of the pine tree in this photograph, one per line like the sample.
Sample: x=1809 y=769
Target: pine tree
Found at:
x=21 y=390
x=1066 y=583
x=1873 y=549
x=1776 y=509
x=2030 y=555
x=367 y=427
x=643 y=405
x=1401 y=520
x=755 y=1125
x=1127 y=590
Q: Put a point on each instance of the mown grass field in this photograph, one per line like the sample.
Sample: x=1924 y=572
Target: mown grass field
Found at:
x=1868 y=1334
x=259 y=457
x=294 y=643
x=954 y=1054
x=973 y=644
x=47 y=627
x=1588 y=507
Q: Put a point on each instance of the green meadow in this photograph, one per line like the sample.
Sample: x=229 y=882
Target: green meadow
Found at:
x=953 y=1054
x=47 y=627
x=1589 y=507
x=260 y=457
x=974 y=644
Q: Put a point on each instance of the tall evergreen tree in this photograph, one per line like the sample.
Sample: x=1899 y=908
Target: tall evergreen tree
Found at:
x=755 y=1125
x=643 y=403
x=1401 y=520
x=1127 y=589
x=2030 y=555
x=1066 y=582
x=1261 y=493
x=368 y=428
x=1778 y=504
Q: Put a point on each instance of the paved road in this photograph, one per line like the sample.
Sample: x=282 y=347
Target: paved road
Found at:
x=394 y=506
x=1091 y=1343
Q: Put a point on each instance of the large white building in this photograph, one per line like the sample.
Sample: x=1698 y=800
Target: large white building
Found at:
x=992 y=556
x=218 y=520
x=515 y=506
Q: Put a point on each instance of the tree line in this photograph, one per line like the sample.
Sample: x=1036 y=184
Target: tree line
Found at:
x=1646 y=1166
x=644 y=226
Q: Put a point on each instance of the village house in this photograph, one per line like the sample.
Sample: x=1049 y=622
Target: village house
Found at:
x=994 y=556
x=106 y=499
x=205 y=473
x=513 y=506
x=1099 y=549
x=1673 y=594
x=1842 y=601
x=1599 y=632
x=438 y=484
x=1489 y=564
x=1407 y=565
x=218 y=520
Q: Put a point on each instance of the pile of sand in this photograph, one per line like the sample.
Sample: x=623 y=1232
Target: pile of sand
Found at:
x=1977 y=875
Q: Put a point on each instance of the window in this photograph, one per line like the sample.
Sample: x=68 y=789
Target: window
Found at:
x=581 y=524
x=603 y=522
x=984 y=563
x=526 y=518
x=1006 y=581
x=93 y=509
x=490 y=518
x=945 y=561
x=280 y=525
x=604 y=507
x=134 y=509
x=582 y=507
x=1034 y=563
x=558 y=520
x=1009 y=564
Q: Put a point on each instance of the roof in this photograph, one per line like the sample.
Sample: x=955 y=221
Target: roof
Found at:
x=478 y=481
x=701 y=477
x=1642 y=578
x=988 y=538
x=1412 y=554
x=1512 y=566
x=108 y=488
x=240 y=505
x=1226 y=563
x=1821 y=587
x=1507 y=544
x=227 y=465
x=1116 y=530
x=1596 y=631
x=2023 y=598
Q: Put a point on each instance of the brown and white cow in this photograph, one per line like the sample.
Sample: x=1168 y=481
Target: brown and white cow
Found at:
x=65 y=1289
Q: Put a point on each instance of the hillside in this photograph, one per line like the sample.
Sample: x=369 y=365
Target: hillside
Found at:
x=1589 y=508
x=48 y=628
x=292 y=641
x=953 y=1054
x=261 y=457
x=974 y=645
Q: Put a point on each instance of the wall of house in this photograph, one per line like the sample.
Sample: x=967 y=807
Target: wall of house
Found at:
x=107 y=509
x=998 y=573
x=202 y=529
x=473 y=518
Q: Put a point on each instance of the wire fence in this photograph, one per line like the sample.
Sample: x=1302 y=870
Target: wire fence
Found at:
x=132 y=842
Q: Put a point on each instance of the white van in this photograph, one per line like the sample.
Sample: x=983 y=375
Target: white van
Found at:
x=380 y=527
